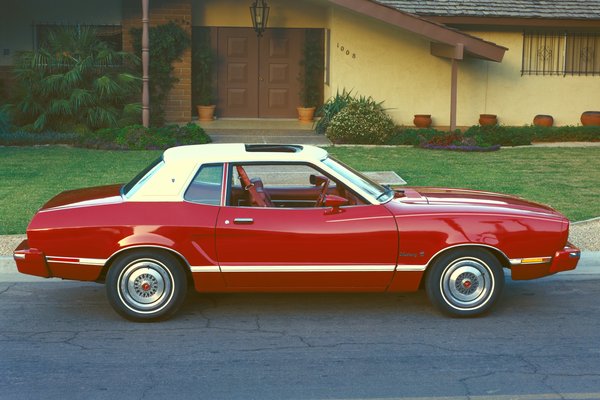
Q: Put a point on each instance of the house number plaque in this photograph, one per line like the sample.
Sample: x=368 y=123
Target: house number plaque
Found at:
x=346 y=51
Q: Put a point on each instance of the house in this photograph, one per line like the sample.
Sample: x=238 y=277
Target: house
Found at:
x=451 y=59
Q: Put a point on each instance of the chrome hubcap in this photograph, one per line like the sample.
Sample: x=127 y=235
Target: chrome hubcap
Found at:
x=467 y=283
x=145 y=286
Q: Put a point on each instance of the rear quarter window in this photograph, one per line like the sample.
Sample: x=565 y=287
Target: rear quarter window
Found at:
x=207 y=185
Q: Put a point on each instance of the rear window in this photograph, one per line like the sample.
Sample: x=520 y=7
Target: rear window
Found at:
x=141 y=178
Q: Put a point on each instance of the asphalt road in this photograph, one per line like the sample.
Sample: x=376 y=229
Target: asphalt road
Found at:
x=61 y=340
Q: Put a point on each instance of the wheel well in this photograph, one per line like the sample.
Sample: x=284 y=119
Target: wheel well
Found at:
x=501 y=257
x=179 y=257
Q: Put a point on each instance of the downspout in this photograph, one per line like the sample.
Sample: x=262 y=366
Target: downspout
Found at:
x=145 y=65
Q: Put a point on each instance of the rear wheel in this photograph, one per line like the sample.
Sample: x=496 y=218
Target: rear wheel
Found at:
x=146 y=285
x=465 y=282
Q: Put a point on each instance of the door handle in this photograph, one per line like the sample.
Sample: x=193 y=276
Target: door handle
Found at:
x=242 y=221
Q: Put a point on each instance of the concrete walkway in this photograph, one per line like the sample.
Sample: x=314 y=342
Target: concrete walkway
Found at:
x=278 y=131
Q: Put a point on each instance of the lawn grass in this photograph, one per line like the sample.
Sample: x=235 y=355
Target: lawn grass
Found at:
x=565 y=178
x=30 y=176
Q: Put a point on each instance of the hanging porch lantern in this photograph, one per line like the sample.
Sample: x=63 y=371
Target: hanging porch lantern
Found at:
x=259 y=10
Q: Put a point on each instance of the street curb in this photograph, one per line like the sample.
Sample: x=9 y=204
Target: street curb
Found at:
x=585 y=220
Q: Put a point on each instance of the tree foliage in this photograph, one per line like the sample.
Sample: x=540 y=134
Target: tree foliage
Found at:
x=75 y=82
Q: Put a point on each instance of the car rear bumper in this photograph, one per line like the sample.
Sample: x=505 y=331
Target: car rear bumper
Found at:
x=563 y=260
x=31 y=261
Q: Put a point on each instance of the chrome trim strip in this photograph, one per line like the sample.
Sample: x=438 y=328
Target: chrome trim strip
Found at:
x=92 y=261
x=76 y=260
x=18 y=256
x=308 y=268
x=361 y=219
x=205 y=268
x=411 y=268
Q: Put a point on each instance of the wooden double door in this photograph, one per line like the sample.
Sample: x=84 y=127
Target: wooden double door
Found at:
x=258 y=77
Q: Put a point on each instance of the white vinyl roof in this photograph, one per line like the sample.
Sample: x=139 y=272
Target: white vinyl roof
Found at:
x=217 y=153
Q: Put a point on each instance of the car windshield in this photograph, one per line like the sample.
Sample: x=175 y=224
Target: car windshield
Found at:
x=129 y=189
x=380 y=193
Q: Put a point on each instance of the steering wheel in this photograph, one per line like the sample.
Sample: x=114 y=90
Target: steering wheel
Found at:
x=323 y=194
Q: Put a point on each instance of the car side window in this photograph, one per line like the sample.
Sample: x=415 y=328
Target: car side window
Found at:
x=206 y=187
x=283 y=185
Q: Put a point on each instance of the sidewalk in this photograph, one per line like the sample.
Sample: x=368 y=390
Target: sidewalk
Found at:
x=278 y=131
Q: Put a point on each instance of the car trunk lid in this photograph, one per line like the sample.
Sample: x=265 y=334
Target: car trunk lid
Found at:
x=88 y=196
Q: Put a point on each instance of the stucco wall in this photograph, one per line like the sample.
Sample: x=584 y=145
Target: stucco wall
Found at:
x=517 y=99
x=16 y=19
x=396 y=66
x=283 y=13
x=374 y=59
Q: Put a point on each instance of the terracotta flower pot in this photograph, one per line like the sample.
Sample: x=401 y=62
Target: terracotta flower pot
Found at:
x=206 y=113
x=543 y=120
x=488 y=119
x=590 y=118
x=422 y=120
x=306 y=114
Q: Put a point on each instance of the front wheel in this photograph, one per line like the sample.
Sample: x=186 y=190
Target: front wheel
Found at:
x=464 y=283
x=146 y=285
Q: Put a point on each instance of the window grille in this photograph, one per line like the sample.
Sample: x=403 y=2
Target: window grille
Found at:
x=561 y=53
x=111 y=34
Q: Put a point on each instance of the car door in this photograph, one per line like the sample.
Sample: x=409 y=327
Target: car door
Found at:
x=352 y=248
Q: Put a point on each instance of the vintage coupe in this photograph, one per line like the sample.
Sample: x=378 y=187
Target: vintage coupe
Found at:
x=287 y=218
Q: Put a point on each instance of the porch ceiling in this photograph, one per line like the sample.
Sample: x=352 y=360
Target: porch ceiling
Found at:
x=436 y=32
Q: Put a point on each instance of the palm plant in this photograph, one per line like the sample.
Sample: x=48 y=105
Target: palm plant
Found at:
x=75 y=81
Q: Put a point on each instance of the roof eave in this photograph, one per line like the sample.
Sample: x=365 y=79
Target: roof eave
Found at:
x=434 y=31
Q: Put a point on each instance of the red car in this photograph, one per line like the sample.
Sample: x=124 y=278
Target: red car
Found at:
x=288 y=218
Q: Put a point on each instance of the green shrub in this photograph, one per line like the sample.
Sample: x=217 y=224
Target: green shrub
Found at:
x=36 y=139
x=202 y=68
x=502 y=135
x=412 y=136
x=337 y=103
x=5 y=119
x=566 y=134
x=136 y=137
x=74 y=82
x=360 y=123
x=311 y=69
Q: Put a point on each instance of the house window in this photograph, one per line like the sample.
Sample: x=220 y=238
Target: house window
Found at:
x=110 y=34
x=561 y=53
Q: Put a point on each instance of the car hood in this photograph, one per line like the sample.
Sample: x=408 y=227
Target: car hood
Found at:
x=85 y=197
x=472 y=199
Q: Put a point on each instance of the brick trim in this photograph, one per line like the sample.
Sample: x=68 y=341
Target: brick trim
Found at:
x=178 y=107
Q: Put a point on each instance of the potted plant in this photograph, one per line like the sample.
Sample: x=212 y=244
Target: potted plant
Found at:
x=488 y=119
x=310 y=76
x=543 y=120
x=590 y=118
x=422 y=120
x=203 y=79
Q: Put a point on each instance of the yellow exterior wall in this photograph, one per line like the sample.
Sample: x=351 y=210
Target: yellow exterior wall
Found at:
x=374 y=59
x=517 y=99
x=283 y=13
x=396 y=66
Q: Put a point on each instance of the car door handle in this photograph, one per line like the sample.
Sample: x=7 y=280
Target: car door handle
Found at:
x=241 y=221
